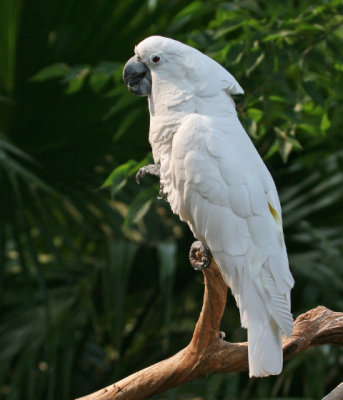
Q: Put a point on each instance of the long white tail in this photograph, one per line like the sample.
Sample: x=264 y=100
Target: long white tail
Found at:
x=264 y=312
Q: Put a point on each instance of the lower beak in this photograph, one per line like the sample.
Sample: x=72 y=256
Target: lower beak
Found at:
x=137 y=77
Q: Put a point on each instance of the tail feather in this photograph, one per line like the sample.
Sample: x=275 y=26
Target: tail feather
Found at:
x=264 y=334
x=277 y=303
x=264 y=349
x=263 y=312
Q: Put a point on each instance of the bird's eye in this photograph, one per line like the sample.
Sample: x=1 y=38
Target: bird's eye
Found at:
x=155 y=59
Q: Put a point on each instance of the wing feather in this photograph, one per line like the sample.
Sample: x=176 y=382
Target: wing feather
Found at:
x=230 y=203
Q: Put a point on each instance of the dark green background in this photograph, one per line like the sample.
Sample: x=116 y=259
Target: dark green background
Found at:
x=95 y=282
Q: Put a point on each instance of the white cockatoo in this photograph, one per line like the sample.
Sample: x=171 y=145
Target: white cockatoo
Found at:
x=216 y=181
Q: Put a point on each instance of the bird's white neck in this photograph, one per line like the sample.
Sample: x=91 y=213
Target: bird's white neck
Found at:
x=170 y=103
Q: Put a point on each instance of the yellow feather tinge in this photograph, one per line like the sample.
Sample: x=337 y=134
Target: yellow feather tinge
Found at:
x=274 y=214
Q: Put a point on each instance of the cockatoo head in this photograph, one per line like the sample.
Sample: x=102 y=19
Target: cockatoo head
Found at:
x=167 y=65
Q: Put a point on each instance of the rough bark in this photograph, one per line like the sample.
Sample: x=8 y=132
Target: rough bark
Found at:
x=336 y=394
x=208 y=353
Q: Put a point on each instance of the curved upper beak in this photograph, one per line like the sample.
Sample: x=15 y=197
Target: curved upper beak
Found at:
x=137 y=77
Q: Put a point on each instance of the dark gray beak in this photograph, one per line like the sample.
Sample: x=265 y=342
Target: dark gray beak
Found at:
x=137 y=77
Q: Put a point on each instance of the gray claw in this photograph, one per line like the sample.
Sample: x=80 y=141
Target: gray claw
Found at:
x=161 y=195
x=139 y=176
x=151 y=169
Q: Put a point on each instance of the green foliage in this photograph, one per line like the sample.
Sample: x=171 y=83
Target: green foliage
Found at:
x=94 y=277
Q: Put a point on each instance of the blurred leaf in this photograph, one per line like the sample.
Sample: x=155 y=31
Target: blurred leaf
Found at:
x=193 y=9
x=325 y=122
x=53 y=71
x=7 y=146
x=119 y=176
x=167 y=257
x=75 y=78
x=116 y=282
x=278 y=35
x=10 y=12
x=140 y=205
x=102 y=74
x=255 y=114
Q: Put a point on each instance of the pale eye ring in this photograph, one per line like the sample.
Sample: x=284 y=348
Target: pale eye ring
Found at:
x=155 y=58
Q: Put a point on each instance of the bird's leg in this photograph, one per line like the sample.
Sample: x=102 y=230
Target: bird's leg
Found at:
x=151 y=169
x=200 y=256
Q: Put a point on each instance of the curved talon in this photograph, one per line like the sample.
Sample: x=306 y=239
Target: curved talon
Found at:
x=199 y=256
x=161 y=194
x=140 y=175
x=152 y=169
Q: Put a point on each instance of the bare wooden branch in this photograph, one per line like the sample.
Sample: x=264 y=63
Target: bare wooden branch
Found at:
x=336 y=394
x=208 y=353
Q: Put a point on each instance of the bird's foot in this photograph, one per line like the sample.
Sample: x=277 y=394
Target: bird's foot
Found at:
x=151 y=169
x=200 y=256
x=161 y=194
